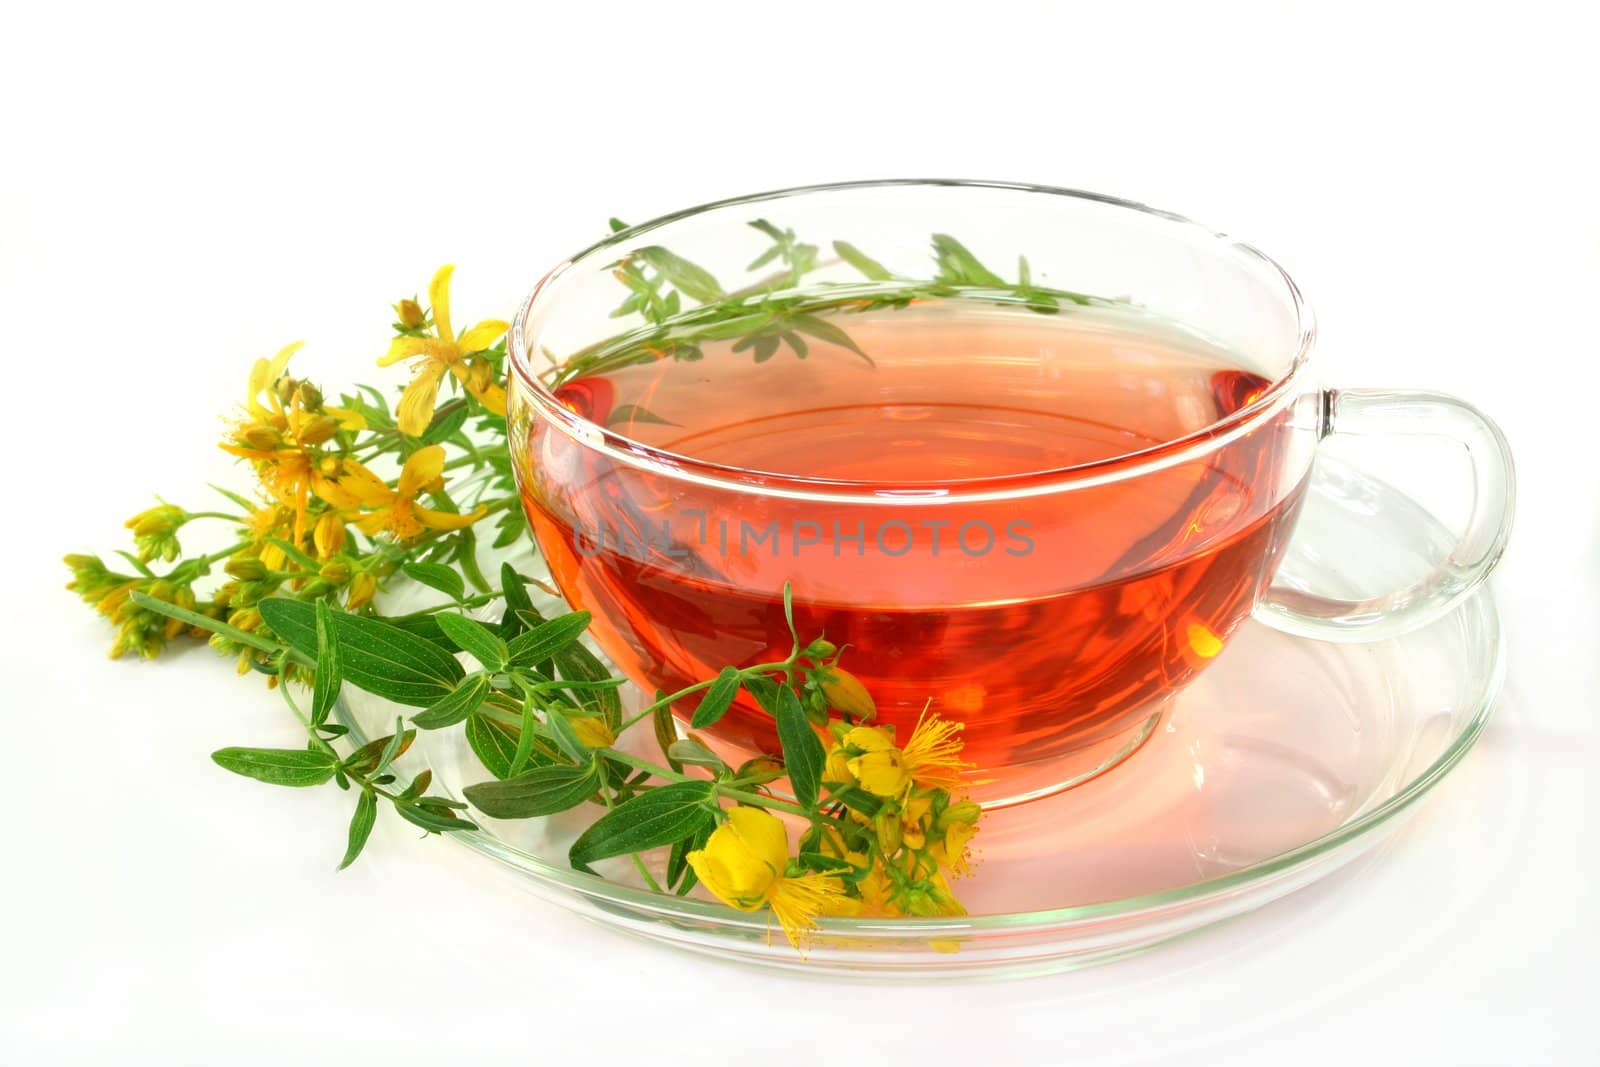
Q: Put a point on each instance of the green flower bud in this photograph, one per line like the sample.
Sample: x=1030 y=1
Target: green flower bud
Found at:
x=964 y=812
x=247 y=568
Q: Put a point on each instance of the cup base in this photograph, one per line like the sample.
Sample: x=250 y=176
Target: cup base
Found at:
x=1027 y=782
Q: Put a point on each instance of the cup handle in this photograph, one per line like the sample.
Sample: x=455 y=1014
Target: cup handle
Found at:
x=1401 y=413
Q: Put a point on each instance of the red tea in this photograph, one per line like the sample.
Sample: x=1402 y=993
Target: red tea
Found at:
x=926 y=542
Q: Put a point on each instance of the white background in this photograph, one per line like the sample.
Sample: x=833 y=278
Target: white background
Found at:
x=182 y=191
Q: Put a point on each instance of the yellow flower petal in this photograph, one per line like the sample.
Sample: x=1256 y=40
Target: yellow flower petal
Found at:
x=763 y=834
x=424 y=466
x=432 y=347
x=443 y=520
x=347 y=419
x=415 y=410
x=439 y=300
x=280 y=362
x=492 y=397
x=353 y=487
x=724 y=881
x=881 y=773
x=483 y=335
x=374 y=522
x=869 y=739
x=264 y=372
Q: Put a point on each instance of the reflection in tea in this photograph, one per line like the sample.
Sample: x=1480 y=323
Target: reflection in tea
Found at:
x=1048 y=621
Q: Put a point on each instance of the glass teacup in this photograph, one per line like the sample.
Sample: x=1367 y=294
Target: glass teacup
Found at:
x=1027 y=456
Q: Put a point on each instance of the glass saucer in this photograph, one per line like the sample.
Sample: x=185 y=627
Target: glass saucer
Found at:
x=1284 y=761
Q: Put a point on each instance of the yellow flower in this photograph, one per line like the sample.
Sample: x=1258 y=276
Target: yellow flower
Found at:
x=743 y=865
x=394 y=510
x=931 y=758
x=277 y=436
x=441 y=354
x=269 y=521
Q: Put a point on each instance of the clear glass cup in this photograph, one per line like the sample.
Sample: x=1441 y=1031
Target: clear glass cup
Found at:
x=1055 y=611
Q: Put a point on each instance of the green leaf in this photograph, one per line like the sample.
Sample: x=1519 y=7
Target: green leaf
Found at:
x=862 y=262
x=525 y=739
x=635 y=413
x=373 y=655
x=545 y=640
x=823 y=330
x=666 y=730
x=325 y=682
x=493 y=742
x=541 y=791
x=430 y=820
x=687 y=876
x=577 y=663
x=689 y=278
x=361 y=823
x=677 y=860
x=770 y=230
x=455 y=706
x=399 y=741
x=475 y=639
x=278 y=766
x=437 y=576
x=765 y=690
x=689 y=751
x=425 y=627
x=419 y=785
x=718 y=699
x=366 y=759
x=444 y=425
x=803 y=754
x=565 y=737
x=958 y=266
x=515 y=589
x=658 y=817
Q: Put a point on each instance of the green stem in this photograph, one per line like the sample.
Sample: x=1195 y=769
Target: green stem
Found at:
x=467 y=602
x=205 y=622
x=744 y=672
x=327 y=746
x=742 y=796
